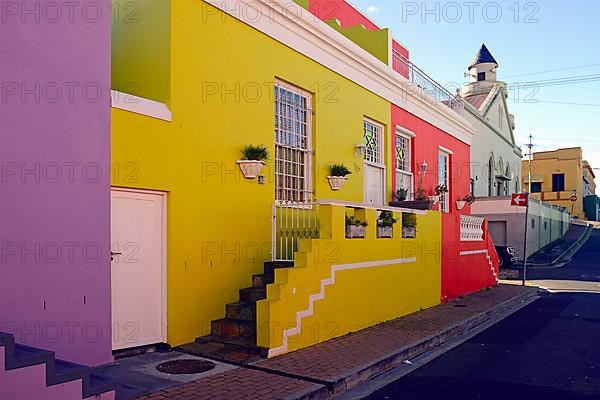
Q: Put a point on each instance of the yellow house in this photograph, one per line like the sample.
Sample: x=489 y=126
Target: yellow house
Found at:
x=557 y=177
x=199 y=249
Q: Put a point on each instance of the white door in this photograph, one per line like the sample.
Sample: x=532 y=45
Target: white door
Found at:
x=374 y=164
x=138 y=274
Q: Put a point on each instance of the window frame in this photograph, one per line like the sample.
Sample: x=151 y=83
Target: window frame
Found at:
x=555 y=185
x=305 y=193
x=408 y=173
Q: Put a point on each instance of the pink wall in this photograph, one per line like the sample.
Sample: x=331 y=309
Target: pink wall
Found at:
x=55 y=178
x=425 y=147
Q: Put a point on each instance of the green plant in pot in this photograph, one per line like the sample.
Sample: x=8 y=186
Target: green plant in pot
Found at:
x=385 y=224
x=401 y=194
x=355 y=228
x=338 y=175
x=409 y=226
x=253 y=160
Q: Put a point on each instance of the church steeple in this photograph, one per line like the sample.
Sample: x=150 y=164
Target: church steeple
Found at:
x=483 y=56
x=483 y=67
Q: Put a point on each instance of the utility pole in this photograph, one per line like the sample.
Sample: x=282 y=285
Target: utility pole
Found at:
x=530 y=155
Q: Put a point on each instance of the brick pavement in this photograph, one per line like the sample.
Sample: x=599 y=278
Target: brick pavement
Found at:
x=340 y=358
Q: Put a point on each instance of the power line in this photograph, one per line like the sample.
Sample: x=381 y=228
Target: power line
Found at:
x=553 y=70
x=559 y=81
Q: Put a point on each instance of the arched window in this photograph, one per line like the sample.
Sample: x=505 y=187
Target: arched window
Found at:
x=491 y=175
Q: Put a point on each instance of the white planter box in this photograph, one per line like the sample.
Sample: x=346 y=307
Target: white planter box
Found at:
x=336 y=182
x=460 y=204
x=251 y=168
x=355 y=232
x=386 y=232
x=409 y=233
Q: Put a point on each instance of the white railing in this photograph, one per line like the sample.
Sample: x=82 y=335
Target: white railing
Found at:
x=471 y=229
x=292 y=222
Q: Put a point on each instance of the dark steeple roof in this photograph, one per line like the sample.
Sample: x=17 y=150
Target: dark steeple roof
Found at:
x=483 y=56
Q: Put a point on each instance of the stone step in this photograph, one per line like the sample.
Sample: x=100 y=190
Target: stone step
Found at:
x=252 y=295
x=271 y=266
x=241 y=311
x=231 y=328
x=262 y=280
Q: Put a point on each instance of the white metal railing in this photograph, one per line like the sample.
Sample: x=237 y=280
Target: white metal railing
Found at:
x=292 y=222
x=471 y=228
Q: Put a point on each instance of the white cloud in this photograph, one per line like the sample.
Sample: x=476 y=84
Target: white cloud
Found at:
x=372 y=9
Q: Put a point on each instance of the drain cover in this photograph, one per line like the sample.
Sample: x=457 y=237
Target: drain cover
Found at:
x=185 y=367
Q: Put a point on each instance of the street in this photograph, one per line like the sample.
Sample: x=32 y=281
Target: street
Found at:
x=548 y=350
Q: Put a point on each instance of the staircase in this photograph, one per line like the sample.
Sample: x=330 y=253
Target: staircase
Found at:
x=25 y=365
x=233 y=338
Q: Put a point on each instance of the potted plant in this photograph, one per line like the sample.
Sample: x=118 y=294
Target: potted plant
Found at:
x=355 y=228
x=409 y=226
x=461 y=204
x=421 y=201
x=254 y=159
x=385 y=224
x=338 y=175
x=401 y=194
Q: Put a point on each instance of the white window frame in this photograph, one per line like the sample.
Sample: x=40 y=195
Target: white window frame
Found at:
x=408 y=135
x=380 y=143
x=302 y=194
x=445 y=198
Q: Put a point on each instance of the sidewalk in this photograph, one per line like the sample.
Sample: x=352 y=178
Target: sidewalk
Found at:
x=340 y=364
x=555 y=252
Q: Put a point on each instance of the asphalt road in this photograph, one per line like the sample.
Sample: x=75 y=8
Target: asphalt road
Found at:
x=548 y=350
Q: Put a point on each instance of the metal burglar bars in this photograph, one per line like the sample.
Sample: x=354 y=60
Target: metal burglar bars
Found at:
x=292 y=222
x=414 y=74
x=471 y=228
x=294 y=214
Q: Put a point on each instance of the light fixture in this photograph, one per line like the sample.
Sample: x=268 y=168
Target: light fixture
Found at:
x=424 y=166
x=360 y=150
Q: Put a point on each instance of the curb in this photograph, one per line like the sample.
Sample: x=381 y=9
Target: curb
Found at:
x=578 y=244
x=358 y=375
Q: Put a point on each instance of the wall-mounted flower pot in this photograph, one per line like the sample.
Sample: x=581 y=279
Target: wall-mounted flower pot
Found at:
x=251 y=168
x=355 y=232
x=408 y=232
x=385 y=232
x=336 y=182
x=460 y=204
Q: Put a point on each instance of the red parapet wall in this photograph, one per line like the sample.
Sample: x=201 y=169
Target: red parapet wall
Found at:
x=467 y=267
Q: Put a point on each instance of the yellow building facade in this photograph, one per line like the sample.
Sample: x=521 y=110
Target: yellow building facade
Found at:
x=555 y=177
x=219 y=90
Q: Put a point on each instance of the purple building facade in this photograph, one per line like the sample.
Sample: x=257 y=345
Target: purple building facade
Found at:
x=55 y=177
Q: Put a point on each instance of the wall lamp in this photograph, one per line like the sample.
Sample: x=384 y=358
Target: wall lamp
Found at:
x=360 y=150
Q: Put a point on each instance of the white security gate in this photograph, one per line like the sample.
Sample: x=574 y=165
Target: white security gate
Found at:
x=138 y=272
x=292 y=222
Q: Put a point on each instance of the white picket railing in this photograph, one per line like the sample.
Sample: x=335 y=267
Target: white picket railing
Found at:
x=471 y=228
x=292 y=222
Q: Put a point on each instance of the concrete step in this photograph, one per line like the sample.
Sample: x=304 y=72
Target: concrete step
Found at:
x=262 y=280
x=232 y=328
x=252 y=295
x=271 y=266
x=241 y=311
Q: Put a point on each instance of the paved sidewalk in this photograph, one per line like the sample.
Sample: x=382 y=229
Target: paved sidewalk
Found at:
x=342 y=363
x=551 y=253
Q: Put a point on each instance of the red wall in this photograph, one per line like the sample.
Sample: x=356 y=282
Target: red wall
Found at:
x=425 y=147
x=465 y=274
x=348 y=16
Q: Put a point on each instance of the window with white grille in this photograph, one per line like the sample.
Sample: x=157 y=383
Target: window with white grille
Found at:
x=404 y=176
x=444 y=180
x=373 y=141
x=293 y=144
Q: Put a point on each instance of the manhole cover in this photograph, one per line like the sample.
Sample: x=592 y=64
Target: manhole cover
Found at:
x=185 y=367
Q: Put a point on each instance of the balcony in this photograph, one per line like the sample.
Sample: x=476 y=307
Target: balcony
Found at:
x=423 y=81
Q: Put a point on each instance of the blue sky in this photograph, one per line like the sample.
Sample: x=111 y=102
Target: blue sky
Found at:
x=541 y=36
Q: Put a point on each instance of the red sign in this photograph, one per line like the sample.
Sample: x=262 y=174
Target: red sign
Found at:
x=519 y=200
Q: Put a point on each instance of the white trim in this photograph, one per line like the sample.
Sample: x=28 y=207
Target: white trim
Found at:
x=317 y=40
x=487 y=256
x=164 y=198
x=405 y=132
x=445 y=150
x=313 y=298
x=351 y=204
x=140 y=105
